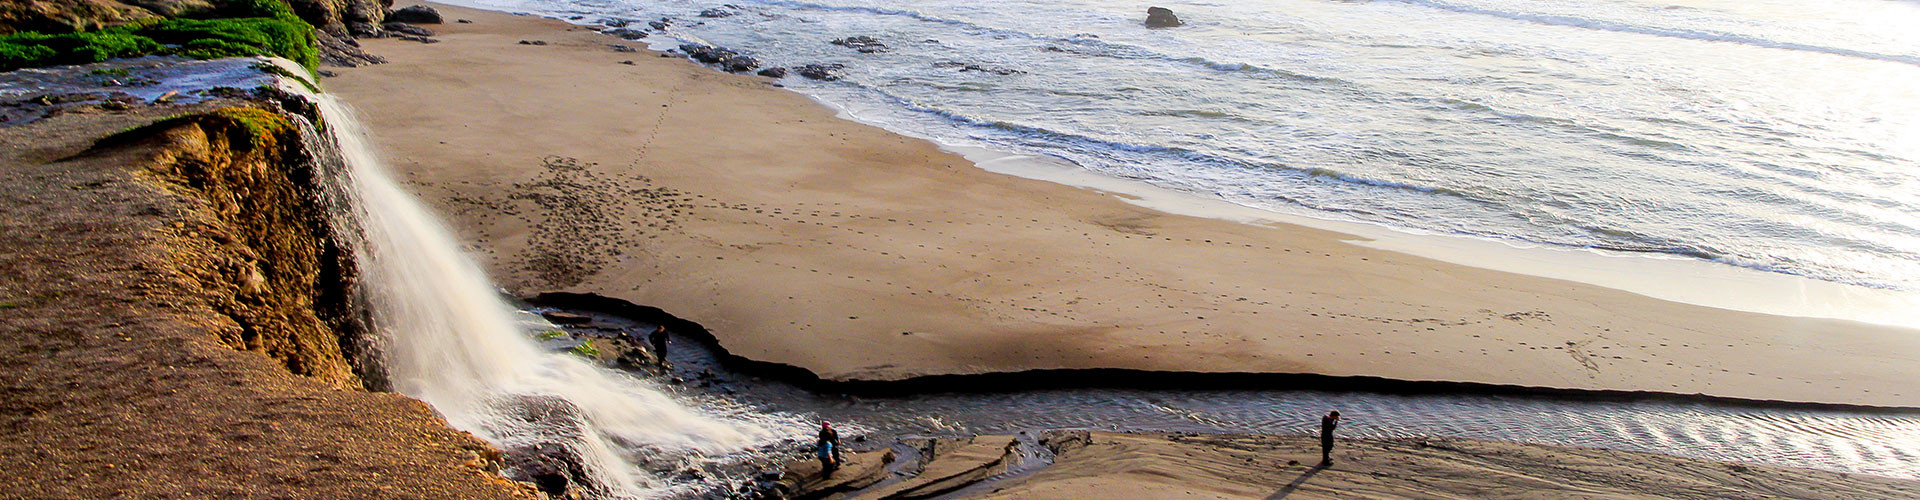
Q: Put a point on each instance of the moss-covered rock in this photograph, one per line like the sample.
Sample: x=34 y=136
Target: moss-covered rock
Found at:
x=68 y=16
x=266 y=28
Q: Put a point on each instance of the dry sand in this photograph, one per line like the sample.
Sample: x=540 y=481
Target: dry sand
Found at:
x=804 y=239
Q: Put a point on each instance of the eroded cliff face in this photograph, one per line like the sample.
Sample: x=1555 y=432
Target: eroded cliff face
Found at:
x=271 y=259
x=160 y=291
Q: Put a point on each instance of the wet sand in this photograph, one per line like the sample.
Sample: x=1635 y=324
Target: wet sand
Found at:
x=1274 y=467
x=800 y=238
x=1227 y=466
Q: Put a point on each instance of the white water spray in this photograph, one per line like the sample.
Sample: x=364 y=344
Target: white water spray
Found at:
x=454 y=343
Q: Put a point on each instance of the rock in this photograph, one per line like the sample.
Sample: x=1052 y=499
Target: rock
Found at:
x=822 y=72
x=626 y=33
x=616 y=23
x=660 y=25
x=628 y=62
x=332 y=16
x=365 y=30
x=1161 y=17
x=740 y=64
x=555 y=465
x=706 y=53
x=533 y=42
x=67 y=16
x=775 y=72
x=408 y=29
x=342 y=51
x=418 y=14
x=566 y=318
x=864 y=44
x=466 y=21
x=716 y=13
x=622 y=48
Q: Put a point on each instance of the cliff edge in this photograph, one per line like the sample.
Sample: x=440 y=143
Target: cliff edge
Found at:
x=175 y=322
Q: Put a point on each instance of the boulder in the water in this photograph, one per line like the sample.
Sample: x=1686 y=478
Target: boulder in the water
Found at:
x=716 y=12
x=554 y=464
x=706 y=53
x=739 y=63
x=418 y=14
x=774 y=72
x=823 y=72
x=1161 y=17
x=864 y=44
x=626 y=33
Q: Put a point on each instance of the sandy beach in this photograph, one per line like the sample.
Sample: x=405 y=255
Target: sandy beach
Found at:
x=800 y=238
x=1272 y=467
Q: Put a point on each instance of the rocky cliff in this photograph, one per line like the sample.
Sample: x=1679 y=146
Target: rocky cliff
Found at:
x=175 y=316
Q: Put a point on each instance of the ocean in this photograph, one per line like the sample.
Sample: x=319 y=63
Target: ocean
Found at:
x=1776 y=135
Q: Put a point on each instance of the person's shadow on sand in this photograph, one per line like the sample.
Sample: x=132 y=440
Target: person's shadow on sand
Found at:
x=1304 y=476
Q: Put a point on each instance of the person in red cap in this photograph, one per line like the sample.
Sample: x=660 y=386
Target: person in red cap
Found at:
x=827 y=448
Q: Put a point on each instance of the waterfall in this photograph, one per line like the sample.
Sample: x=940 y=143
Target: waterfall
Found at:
x=451 y=340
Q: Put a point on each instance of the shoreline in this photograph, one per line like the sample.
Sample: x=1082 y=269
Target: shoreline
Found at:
x=814 y=235
x=1662 y=276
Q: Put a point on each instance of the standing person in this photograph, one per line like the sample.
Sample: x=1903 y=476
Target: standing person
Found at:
x=659 y=340
x=1327 y=425
x=827 y=448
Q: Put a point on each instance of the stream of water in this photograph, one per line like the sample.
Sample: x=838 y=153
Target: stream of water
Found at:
x=453 y=342
x=1878 y=444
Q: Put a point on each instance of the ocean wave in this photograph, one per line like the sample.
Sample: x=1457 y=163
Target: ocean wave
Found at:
x=913 y=14
x=1101 y=48
x=1070 y=140
x=1074 y=44
x=1682 y=33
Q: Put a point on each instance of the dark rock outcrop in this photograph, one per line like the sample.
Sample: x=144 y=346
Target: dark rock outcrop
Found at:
x=740 y=64
x=332 y=16
x=822 y=72
x=406 y=29
x=566 y=318
x=418 y=14
x=775 y=72
x=552 y=463
x=66 y=16
x=716 y=13
x=343 y=51
x=1161 y=17
x=626 y=33
x=964 y=67
x=864 y=44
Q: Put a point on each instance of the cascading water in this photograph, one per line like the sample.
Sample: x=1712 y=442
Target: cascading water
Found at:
x=452 y=341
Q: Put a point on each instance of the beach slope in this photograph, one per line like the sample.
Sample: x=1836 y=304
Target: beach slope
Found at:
x=800 y=238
